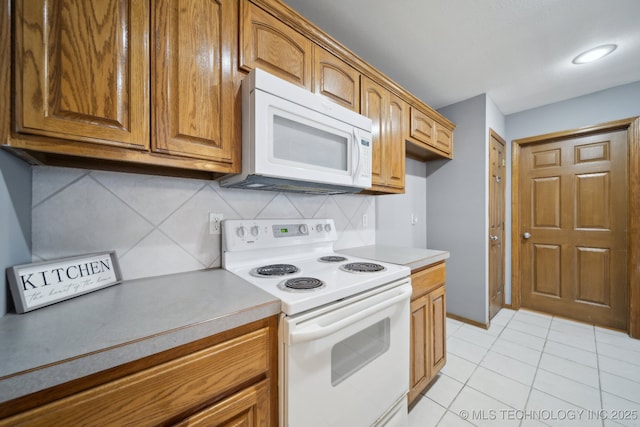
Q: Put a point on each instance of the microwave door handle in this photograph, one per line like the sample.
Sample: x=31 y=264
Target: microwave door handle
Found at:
x=357 y=158
x=316 y=330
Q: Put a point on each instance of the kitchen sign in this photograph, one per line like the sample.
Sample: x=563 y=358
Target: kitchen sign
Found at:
x=44 y=283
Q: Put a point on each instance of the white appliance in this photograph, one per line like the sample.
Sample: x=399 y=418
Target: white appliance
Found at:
x=294 y=140
x=344 y=327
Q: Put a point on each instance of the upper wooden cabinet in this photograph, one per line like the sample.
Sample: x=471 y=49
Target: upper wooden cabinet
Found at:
x=421 y=126
x=336 y=79
x=427 y=137
x=93 y=79
x=194 y=108
x=444 y=139
x=389 y=115
x=270 y=44
x=153 y=86
x=82 y=70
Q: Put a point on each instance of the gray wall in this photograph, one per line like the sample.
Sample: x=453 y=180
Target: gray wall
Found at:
x=456 y=209
x=617 y=103
x=15 y=219
x=393 y=211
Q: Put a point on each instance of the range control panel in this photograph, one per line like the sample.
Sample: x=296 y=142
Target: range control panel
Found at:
x=240 y=234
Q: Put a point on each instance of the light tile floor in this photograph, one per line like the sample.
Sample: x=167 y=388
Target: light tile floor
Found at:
x=530 y=369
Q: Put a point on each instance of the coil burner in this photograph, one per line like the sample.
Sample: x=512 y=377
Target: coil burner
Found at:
x=276 y=270
x=362 y=267
x=302 y=284
x=332 y=258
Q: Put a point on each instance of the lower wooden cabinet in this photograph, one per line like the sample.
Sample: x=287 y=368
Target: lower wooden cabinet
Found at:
x=250 y=407
x=428 y=327
x=228 y=379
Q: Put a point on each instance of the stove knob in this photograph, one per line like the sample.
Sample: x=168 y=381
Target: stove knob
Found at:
x=327 y=227
x=240 y=231
x=303 y=229
x=319 y=228
x=255 y=230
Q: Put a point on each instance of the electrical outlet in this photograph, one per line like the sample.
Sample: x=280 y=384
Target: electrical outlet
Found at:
x=365 y=220
x=214 y=222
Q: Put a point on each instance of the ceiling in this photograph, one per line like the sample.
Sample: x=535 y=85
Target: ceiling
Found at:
x=518 y=52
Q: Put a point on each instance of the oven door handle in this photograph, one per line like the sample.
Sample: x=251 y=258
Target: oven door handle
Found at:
x=317 y=330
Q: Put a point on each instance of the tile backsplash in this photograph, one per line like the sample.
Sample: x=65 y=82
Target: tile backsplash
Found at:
x=160 y=225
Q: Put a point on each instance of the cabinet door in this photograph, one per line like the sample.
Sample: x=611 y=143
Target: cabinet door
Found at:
x=444 y=139
x=194 y=76
x=394 y=148
x=437 y=330
x=268 y=43
x=421 y=127
x=249 y=407
x=82 y=70
x=374 y=99
x=419 y=374
x=335 y=79
x=389 y=116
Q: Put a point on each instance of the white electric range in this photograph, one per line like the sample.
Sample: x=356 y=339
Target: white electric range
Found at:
x=344 y=327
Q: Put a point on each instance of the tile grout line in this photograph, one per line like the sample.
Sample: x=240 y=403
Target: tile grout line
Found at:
x=465 y=384
x=535 y=374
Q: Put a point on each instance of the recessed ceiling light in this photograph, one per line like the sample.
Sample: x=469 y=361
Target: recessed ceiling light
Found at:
x=595 y=53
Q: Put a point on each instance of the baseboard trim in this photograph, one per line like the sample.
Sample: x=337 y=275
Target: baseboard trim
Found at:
x=468 y=321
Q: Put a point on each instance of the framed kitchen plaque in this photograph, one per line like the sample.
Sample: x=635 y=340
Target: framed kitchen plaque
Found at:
x=44 y=283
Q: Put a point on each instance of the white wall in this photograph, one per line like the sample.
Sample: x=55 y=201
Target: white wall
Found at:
x=393 y=211
x=15 y=220
x=456 y=209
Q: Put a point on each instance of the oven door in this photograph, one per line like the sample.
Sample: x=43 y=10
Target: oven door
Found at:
x=347 y=364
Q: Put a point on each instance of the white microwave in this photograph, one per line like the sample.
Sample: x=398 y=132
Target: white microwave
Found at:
x=294 y=140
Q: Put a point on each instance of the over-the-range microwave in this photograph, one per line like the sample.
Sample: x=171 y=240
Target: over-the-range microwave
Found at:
x=295 y=140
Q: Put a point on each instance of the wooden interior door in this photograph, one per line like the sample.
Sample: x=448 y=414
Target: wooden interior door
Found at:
x=496 y=223
x=573 y=216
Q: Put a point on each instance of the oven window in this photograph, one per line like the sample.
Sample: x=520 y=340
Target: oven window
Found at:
x=296 y=142
x=354 y=353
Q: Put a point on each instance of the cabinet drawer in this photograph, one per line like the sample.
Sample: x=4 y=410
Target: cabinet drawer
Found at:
x=167 y=390
x=426 y=280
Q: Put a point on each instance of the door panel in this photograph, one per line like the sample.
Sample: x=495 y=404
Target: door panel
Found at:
x=545 y=211
x=574 y=204
x=546 y=264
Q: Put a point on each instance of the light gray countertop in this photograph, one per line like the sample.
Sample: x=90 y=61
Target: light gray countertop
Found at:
x=120 y=324
x=414 y=258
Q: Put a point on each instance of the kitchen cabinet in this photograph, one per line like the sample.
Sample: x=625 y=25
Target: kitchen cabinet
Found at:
x=216 y=381
x=82 y=71
x=272 y=45
x=389 y=115
x=195 y=79
x=428 y=327
x=153 y=87
x=336 y=79
x=89 y=84
x=428 y=137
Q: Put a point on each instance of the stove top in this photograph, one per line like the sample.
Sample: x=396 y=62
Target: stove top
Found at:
x=294 y=260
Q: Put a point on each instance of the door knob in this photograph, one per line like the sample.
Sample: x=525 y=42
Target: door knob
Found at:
x=526 y=235
x=493 y=237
